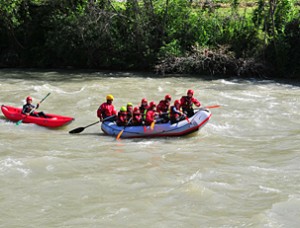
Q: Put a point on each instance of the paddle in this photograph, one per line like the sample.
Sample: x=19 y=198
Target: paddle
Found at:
x=20 y=121
x=81 y=129
x=208 y=107
x=187 y=119
x=121 y=132
x=213 y=106
x=152 y=125
x=154 y=122
x=157 y=120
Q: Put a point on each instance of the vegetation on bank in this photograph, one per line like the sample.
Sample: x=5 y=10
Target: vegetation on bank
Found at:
x=214 y=37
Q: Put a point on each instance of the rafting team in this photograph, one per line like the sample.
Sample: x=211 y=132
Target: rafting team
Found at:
x=146 y=114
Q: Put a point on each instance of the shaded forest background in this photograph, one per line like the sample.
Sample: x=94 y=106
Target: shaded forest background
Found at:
x=224 y=38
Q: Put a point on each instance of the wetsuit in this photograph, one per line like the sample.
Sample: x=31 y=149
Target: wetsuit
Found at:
x=176 y=115
x=27 y=108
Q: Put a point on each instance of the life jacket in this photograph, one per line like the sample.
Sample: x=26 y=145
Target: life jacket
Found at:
x=122 y=118
x=27 y=108
x=106 y=110
x=163 y=107
x=186 y=102
x=174 y=112
x=150 y=116
x=176 y=115
x=129 y=116
x=143 y=110
x=129 y=112
x=137 y=119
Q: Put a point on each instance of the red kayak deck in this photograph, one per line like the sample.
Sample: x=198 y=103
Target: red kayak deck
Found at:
x=53 y=120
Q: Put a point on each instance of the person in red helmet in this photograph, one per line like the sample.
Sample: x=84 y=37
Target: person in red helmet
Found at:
x=29 y=107
x=143 y=108
x=151 y=113
x=163 y=108
x=187 y=103
x=176 y=114
x=106 y=109
x=136 y=117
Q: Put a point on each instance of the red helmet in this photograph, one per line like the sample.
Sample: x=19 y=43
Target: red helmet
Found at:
x=152 y=104
x=28 y=99
x=177 y=102
x=168 y=97
x=144 y=100
x=136 y=110
x=190 y=91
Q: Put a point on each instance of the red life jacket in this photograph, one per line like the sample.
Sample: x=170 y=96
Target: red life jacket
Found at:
x=163 y=107
x=122 y=118
x=187 y=102
x=136 y=119
x=150 y=116
x=106 y=110
x=143 y=110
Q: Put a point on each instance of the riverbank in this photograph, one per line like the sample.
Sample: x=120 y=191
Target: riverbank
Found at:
x=217 y=63
x=204 y=63
x=236 y=39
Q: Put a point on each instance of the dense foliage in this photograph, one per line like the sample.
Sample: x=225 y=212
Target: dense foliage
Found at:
x=141 y=34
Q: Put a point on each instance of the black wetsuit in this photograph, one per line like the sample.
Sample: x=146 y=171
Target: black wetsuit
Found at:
x=27 y=108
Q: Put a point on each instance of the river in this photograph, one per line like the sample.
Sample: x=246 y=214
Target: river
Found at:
x=241 y=170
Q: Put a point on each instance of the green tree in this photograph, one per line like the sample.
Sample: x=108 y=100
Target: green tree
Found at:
x=273 y=16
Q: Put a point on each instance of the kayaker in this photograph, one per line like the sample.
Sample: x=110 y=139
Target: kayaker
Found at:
x=106 y=109
x=187 y=103
x=129 y=111
x=122 y=117
x=151 y=114
x=28 y=108
x=163 y=108
x=143 y=107
x=137 y=117
x=175 y=113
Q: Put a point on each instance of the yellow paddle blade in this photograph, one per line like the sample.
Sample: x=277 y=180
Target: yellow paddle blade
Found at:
x=119 y=135
x=152 y=125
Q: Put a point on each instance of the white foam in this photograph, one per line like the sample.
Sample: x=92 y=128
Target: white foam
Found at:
x=284 y=214
x=50 y=88
x=256 y=168
x=9 y=164
x=268 y=190
x=227 y=82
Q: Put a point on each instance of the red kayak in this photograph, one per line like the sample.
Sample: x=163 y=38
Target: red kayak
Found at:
x=52 y=120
